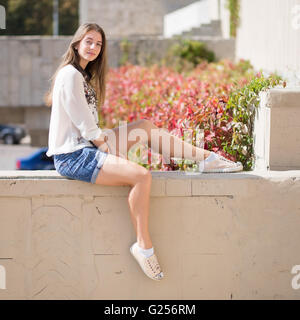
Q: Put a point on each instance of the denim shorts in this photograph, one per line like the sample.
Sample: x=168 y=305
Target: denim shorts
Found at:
x=83 y=164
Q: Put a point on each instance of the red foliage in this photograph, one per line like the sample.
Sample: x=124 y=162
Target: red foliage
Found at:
x=174 y=101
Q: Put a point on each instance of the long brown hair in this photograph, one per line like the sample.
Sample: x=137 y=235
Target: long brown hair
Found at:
x=95 y=71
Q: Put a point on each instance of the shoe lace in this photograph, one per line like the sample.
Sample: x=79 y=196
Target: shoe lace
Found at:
x=225 y=159
x=153 y=264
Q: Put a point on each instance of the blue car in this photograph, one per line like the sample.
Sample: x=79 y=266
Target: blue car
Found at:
x=36 y=161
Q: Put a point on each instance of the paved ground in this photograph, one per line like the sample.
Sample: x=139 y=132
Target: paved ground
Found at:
x=10 y=153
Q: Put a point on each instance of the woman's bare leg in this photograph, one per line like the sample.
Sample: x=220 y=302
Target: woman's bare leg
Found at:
x=119 y=171
x=178 y=148
x=125 y=172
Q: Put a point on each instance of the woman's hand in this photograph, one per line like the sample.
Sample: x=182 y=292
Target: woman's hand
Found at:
x=101 y=143
x=108 y=145
x=104 y=147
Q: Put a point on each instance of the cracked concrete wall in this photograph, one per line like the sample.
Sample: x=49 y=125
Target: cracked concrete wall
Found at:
x=218 y=236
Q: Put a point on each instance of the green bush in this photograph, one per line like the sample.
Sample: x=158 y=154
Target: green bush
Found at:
x=187 y=54
x=241 y=107
x=234 y=8
x=125 y=47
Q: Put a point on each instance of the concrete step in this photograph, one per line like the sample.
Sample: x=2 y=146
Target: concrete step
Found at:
x=212 y=29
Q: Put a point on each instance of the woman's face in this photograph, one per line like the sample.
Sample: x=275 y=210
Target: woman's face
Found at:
x=89 y=47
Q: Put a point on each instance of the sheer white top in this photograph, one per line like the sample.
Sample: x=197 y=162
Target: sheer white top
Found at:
x=74 y=117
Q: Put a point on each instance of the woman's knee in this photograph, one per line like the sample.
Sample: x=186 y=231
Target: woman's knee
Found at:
x=143 y=175
x=147 y=176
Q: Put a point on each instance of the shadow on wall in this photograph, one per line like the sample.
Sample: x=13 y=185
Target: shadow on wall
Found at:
x=172 y=5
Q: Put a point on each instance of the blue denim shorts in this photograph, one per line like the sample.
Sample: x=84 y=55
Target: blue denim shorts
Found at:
x=83 y=164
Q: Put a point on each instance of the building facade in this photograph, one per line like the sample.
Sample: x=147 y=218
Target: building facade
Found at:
x=129 y=17
x=269 y=36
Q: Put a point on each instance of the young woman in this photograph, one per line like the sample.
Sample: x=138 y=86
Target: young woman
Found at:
x=83 y=151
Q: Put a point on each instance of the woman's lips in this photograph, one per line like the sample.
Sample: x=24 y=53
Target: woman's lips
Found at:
x=90 y=53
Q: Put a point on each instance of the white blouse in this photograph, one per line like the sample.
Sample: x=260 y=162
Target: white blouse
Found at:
x=74 y=117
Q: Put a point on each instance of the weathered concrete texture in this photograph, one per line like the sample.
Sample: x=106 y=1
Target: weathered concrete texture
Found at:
x=37 y=120
x=30 y=61
x=277 y=136
x=129 y=17
x=144 y=51
x=12 y=114
x=218 y=236
x=126 y=17
x=285 y=139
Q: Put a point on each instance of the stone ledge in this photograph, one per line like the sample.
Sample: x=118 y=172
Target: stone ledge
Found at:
x=53 y=174
x=218 y=236
x=276 y=130
x=283 y=97
x=179 y=184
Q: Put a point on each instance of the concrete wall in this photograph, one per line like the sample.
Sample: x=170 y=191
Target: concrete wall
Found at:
x=218 y=236
x=269 y=36
x=129 y=17
x=30 y=61
x=277 y=130
x=121 y=18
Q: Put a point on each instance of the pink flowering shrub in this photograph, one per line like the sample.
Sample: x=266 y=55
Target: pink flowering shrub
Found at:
x=177 y=102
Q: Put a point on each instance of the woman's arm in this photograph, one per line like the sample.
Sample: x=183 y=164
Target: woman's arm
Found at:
x=101 y=142
x=74 y=102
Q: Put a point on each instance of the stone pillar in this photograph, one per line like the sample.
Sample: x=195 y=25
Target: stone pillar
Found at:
x=277 y=130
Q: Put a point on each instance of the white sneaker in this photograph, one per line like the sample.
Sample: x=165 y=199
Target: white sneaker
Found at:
x=150 y=265
x=215 y=163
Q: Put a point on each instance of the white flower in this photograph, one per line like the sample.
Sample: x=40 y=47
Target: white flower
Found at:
x=244 y=129
x=244 y=150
